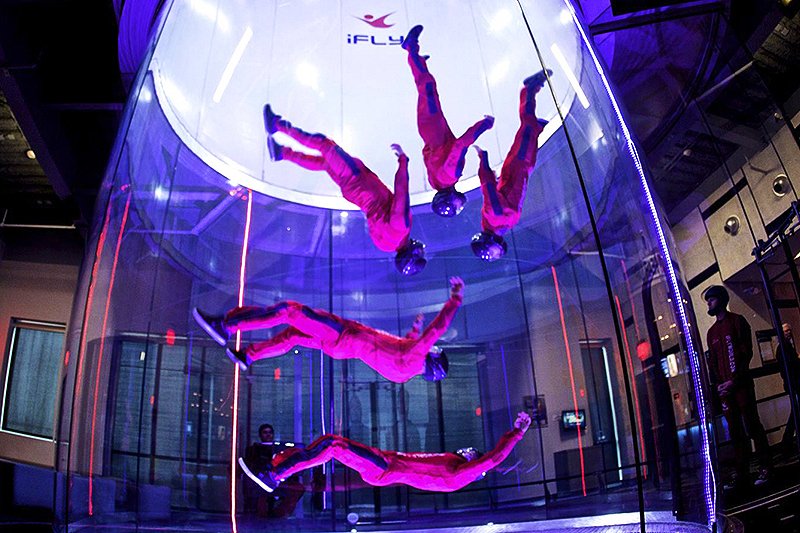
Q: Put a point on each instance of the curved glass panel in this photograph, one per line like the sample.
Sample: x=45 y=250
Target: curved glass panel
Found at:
x=582 y=324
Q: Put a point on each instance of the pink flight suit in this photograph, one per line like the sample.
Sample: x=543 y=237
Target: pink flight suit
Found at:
x=443 y=153
x=388 y=214
x=441 y=472
x=503 y=199
x=396 y=358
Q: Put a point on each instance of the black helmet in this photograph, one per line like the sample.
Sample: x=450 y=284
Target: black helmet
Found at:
x=488 y=246
x=448 y=202
x=436 y=365
x=719 y=292
x=410 y=259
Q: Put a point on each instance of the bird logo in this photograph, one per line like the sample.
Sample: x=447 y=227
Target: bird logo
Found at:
x=379 y=22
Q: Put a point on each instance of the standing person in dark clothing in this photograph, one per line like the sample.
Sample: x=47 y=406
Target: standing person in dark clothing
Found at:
x=790 y=372
x=258 y=458
x=730 y=347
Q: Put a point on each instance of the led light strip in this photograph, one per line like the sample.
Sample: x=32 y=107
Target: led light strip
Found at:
x=630 y=299
x=570 y=75
x=571 y=378
x=613 y=411
x=102 y=345
x=627 y=354
x=101 y=241
x=233 y=62
x=235 y=417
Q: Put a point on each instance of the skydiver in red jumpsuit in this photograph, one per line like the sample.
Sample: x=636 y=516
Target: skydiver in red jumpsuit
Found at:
x=388 y=214
x=443 y=153
x=396 y=358
x=441 y=472
x=503 y=198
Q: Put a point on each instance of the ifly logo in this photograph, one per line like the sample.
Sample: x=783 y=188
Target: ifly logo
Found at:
x=371 y=39
x=379 y=22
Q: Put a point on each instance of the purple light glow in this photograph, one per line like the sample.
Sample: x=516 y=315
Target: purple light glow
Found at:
x=708 y=474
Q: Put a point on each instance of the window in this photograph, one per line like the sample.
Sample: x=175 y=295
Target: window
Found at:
x=32 y=377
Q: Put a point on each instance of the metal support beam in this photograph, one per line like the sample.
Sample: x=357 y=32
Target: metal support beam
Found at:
x=653 y=16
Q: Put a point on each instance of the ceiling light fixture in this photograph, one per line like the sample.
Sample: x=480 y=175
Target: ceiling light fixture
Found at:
x=30 y=154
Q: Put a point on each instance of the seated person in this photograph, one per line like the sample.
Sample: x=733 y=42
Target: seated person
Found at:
x=258 y=458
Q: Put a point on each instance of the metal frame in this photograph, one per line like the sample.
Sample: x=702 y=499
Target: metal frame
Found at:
x=777 y=243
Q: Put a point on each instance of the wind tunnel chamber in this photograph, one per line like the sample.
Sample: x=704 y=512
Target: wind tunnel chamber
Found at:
x=582 y=323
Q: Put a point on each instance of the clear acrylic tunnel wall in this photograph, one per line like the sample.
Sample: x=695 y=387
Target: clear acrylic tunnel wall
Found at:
x=584 y=312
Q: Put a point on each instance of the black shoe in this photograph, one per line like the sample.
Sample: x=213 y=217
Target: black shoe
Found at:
x=275 y=149
x=542 y=122
x=240 y=358
x=213 y=325
x=412 y=38
x=265 y=480
x=270 y=120
x=762 y=478
x=537 y=81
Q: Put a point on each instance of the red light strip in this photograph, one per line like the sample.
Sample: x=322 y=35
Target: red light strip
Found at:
x=101 y=240
x=102 y=346
x=235 y=422
x=633 y=386
x=571 y=377
x=630 y=299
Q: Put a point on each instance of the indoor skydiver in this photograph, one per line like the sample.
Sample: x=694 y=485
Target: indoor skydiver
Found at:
x=388 y=213
x=503 y=198
x=396 y=358
x=444 y=154
x=441 y=472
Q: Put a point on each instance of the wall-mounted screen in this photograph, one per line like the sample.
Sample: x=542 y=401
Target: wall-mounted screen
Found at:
x=573 y=419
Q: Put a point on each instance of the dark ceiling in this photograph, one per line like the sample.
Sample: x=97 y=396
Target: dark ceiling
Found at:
x=59 y=76
x=63 y=94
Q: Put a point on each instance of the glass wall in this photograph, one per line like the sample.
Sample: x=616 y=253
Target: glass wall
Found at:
x=582 y=324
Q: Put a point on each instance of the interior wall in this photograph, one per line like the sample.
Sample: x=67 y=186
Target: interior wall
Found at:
x=709 y=255
x=37 y=290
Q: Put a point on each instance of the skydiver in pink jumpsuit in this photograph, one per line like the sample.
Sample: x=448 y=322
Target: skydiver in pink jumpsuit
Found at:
x=388 y=214
x=396 y=358
x=503 y=198
x=443 y=153
x=441 y=472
